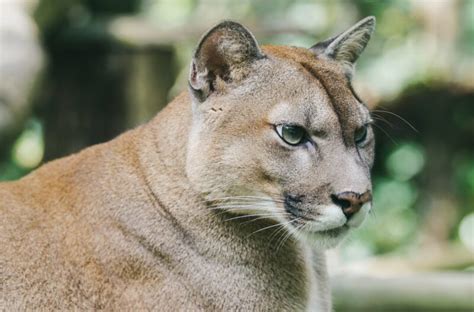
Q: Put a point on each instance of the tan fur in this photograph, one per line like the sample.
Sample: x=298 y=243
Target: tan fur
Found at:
x=129 y=224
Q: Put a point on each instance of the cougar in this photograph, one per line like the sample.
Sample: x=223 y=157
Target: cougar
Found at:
x=225 y=201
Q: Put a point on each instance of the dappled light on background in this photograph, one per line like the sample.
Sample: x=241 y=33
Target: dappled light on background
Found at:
x=406 y=161
x=28 y=150
x=392 y=195
x=308 y=16
x=465 y=175
x=466 y=231
x=169 y=13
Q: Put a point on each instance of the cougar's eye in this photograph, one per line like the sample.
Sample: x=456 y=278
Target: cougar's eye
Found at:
x=293 y=135
x=360 y=135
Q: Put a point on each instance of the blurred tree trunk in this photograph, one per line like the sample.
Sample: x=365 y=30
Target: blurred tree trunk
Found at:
x=95 y=91
x=96 y=86
x=151 y=77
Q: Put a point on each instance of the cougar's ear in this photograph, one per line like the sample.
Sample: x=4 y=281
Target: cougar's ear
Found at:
x=223 y=55
x=346 y=47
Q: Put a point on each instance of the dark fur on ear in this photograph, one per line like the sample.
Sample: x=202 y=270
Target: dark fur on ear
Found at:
x=346 y=47
x=222 y=55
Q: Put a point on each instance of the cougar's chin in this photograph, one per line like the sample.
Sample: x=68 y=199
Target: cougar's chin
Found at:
x=325 y=239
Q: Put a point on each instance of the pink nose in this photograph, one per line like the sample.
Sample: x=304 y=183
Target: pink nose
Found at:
x=351 y=202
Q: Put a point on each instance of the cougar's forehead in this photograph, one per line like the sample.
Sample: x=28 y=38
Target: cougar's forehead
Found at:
x=331 y=80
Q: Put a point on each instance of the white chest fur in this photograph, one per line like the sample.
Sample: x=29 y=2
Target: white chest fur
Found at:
x=319 y=299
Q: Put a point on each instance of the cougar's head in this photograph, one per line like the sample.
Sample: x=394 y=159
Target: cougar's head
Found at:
x=278 y=132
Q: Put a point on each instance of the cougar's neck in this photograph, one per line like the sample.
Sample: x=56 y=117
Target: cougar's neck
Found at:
x=161 y=150
x=166 y=138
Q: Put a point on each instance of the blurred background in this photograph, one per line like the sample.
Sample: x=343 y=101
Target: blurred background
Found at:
x=78 y=72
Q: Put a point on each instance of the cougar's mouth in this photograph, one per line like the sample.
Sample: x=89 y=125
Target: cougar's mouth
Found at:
x=323 y=226
x=299 y=214
x=335 y=233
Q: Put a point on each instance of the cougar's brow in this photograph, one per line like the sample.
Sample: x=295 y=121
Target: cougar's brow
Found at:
x=349 y=85
x=313 y=72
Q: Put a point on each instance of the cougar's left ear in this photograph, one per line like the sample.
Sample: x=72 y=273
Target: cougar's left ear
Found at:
x=346 y=47
x=223 y=55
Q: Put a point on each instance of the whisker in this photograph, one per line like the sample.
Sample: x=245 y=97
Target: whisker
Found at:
x=386 y=133
x=269 y=227
x=288 y=235
x=275 y=234
x=273 y=214
x=261 y=210
x=280 y=234
x=399 y=117
x=237 y=206
x=258 y=203
x=262 y=216
x=248 y=198
x=380 y=118
x=240 y=207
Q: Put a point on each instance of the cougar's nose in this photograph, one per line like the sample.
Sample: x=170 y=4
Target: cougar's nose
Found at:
x=350 y=202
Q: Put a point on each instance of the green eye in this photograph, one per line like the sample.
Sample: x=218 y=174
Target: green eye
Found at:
x=292 y=135
x=360 y=135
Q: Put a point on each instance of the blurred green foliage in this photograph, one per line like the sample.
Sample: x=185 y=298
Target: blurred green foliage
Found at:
x=26 y=153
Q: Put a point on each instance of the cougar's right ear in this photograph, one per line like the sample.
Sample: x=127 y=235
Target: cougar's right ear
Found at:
x=346 y=47
x=222 y=56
